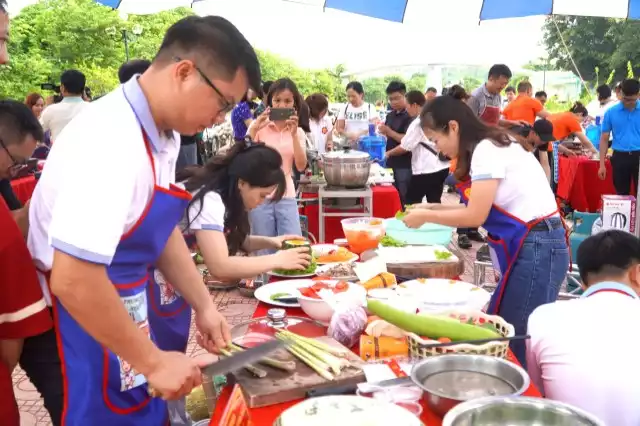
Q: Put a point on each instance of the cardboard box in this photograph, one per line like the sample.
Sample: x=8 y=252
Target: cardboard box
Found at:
x=619 y=212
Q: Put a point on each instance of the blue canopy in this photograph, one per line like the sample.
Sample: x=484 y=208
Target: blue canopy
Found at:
x=396 y=10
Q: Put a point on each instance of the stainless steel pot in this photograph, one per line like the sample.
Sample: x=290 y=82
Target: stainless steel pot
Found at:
x=347 y=167
x=448 y=380
x=518 y=411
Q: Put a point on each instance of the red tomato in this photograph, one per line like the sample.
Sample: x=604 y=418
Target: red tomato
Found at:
x=341 y=287
x=309 y=292
x=320 y=285
x=321 y=278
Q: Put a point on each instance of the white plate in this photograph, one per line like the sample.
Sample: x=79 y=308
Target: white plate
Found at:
x=275 y=274
x=350 y=260
x=265 y=292
x=442 y=294
x=346 y=410
x=323 y=268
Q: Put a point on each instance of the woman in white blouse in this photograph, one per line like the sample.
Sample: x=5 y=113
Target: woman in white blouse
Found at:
x=354 y=119
x=319 y=123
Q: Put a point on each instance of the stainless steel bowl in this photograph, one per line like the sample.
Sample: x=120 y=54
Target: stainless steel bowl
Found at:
x=518 y=411
x=448 y=380
x=348 y=168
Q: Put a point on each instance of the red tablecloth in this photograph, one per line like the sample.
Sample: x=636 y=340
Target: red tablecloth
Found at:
x=266 y=416
x=579 y=184
x=23 y=188
x=386 y=202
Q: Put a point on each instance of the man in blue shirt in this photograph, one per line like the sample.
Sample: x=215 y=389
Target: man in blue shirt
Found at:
x=623 y=120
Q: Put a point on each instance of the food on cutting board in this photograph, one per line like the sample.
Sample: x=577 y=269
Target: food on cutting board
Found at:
x=383 y=280
x=326 y=360
x=271 y=362
x=372 y=348
x=430 y=325
x=311 y=269
x=335 y=256
x=389 y=241
x=315 y=291
x=443 y=254
x=347 y=325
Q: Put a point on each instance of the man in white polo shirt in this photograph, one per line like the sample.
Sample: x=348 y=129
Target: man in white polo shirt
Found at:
x=56 y=117
x=584 y=352
x=105 y=211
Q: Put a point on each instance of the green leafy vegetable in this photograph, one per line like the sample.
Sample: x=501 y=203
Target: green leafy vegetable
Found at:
x=388 y=241
x=400 y=214
x=279 y=295
x=293 y=272
x=442 y=254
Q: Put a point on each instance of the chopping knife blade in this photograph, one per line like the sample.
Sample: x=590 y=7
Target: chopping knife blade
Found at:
x=237 y=361
x=364 y=387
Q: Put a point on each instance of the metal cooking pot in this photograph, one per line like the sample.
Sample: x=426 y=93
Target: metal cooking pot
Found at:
x=518 y=411
x=348 y=168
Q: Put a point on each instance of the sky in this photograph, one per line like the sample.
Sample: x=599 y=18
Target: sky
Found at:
x=434 y=32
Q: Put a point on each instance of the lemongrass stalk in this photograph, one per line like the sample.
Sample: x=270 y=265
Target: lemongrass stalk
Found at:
x=258 y=372
x=326 y=357
x=293 y=344
x=271 y=362
x=339 y=352
x=311 y=362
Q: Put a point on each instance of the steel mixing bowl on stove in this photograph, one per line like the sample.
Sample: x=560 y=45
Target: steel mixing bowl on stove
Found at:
x=347 y=168
x=518 y=411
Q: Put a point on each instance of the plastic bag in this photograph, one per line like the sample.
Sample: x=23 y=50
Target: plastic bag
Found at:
x=597 y=226
x=347 y=324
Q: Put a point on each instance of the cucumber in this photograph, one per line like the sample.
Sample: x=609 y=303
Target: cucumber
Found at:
x=429 y=325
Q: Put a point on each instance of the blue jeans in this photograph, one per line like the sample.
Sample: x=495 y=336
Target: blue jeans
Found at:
x=535 y=279
x=402 y=179
x=274 y=219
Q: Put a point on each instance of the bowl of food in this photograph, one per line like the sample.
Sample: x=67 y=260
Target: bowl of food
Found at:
x=248 y=287
x=448 y=380
x=323 y=249
x=518 y=411
x=363 y=233
x=318 y=300
x=338 y=271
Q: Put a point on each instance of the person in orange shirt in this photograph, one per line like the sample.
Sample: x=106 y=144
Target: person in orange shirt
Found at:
x=567 y=123
x=525 y=107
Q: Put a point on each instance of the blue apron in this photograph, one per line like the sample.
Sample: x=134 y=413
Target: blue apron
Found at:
x=100 y=388
x=506 y=236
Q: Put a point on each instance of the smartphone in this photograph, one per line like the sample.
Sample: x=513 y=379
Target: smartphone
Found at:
x=281 y=114
x=50 y=86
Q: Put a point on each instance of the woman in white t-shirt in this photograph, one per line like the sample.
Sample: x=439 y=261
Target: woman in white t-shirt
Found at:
x=319 y=123
x=506 y=192
x=354 y=119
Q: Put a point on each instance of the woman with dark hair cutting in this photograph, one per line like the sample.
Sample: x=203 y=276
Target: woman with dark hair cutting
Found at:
x=505 y=191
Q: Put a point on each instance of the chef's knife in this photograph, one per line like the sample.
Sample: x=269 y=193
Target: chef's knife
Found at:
x=364 y=387
x=237 y=361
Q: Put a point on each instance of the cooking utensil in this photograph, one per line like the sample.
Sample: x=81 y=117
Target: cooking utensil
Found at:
x=363 y=387
x=518 y=411
x=348 y=168
x=448 y=380
x=236 y=361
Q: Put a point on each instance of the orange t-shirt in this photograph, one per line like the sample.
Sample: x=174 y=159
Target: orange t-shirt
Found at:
x=523 y=108
x=564 y=124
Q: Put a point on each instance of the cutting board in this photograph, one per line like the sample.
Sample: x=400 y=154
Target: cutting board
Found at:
x=282 y=386
x=441 y=269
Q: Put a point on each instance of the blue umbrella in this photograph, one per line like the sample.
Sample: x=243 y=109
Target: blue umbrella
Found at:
x=396 y=10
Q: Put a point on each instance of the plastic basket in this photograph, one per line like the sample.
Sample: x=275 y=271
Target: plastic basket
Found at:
x=418 y=347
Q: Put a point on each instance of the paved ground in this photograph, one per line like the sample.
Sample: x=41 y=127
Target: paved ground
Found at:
x=235 y=307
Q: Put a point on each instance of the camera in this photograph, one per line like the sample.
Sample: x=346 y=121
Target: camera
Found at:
x=50 y=86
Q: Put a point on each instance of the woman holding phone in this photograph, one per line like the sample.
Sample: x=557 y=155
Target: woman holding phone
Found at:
x=505 y=191
x=278 y=128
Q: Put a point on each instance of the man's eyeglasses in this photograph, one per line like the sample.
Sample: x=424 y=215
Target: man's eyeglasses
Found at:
x=15 y=164
x=226 y=106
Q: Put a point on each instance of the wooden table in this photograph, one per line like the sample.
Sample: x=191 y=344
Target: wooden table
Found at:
x=266 y=416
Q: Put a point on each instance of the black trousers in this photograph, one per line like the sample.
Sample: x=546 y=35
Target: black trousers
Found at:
x=625 y=169
x=429 y=185
x=41 y=362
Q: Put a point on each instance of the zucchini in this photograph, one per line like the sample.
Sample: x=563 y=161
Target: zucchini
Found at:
x=432 y=326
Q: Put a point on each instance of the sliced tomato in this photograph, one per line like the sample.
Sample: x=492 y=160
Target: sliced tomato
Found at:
x=321 y=278
x=309 y=292
x=320 y=285
x=340 y=287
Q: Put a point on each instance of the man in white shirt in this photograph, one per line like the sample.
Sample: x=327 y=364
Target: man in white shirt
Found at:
x=584 y=352
x=105 y=211
x=428 y=168
x=55 y=117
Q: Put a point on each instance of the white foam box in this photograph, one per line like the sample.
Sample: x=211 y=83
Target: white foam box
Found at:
x=619 y=212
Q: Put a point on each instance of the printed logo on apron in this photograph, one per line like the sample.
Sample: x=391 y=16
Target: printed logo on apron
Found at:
x=136 y=306
x=168 y=294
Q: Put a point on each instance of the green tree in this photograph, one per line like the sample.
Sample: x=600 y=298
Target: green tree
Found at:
x=597 y=45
